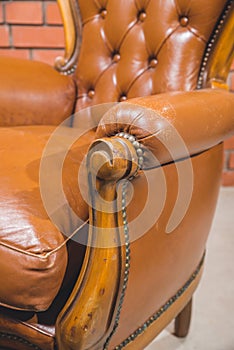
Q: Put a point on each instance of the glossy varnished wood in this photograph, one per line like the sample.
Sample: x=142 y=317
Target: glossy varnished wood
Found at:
x=220 y=57
x=89 y=315
x=182 y=321
x=72 y=35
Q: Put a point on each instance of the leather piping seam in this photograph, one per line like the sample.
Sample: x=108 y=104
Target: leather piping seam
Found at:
x=17 y=338
x=141 y=329
x=45 y=255
x=161 y=311
x=182 y=159
x=211 y=43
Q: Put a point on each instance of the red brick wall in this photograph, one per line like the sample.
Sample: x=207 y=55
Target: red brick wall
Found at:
x=33 y=30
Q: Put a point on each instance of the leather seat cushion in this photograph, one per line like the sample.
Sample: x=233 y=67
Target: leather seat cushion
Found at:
x=34 y=93
x=33 y=251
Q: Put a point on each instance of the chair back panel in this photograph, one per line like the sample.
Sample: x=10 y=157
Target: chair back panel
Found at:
x=134 y=48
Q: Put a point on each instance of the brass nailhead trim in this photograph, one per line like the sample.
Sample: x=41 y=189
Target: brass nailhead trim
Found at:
x=171 y=301
x=159 y=313
x=210 y=45
x=150 y=321
x=70 y=70
x=19 y=339
x=139 y=151
x=136 y=145
x=127 y=264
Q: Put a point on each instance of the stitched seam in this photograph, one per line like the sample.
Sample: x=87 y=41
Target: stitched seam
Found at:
x=45 y=255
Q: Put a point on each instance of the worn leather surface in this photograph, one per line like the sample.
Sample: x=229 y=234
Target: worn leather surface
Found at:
x=25 y=335
x=162 y=262
x=173 y=125
x=33 y=93
x=140 y=48
x=129 y=49
x=33 y=255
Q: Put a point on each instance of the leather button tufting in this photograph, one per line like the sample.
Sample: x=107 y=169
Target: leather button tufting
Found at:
x=153 y=62
x=116 y=57
x=123 y=98
x=142 y=16
x=91 y=93
x=184 y=21
x=103 y=13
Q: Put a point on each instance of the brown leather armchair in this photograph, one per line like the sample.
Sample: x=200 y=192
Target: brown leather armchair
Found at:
x=106 y=262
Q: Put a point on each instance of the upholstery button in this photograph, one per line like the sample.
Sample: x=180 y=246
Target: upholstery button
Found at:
x=116 y=57
x=103 y=13
x=123 y=98
x=184 y=21
x=91 y=93
x=142 y=16
x=153 y=62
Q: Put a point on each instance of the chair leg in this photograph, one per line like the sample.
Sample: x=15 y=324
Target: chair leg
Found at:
x=182 y=321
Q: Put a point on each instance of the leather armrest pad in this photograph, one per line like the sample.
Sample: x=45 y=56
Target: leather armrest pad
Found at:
x=173 y=125
x=33 y=93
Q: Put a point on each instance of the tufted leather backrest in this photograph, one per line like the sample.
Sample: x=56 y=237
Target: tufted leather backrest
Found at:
x=134 y=48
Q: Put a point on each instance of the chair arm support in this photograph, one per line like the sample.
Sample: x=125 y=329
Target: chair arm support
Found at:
x=72 y=24
x=173 y=125
x=91 y=313
x=33 y=93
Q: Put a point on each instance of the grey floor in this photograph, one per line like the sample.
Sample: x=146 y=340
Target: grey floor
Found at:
x=212 y=325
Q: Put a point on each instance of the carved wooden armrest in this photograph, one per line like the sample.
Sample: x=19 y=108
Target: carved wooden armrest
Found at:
x=72 y=34
x=91 y=314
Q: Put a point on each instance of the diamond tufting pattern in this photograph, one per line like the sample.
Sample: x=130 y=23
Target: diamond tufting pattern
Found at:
x=141 y=47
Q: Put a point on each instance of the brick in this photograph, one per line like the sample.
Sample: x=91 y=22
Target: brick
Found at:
x=47 y=56
x=39 y=37
x=228 y=178
x=1 y=13
x=4 y=36
x=231 y=161
x=229 y=143
x=24 y=12
x=15 y=53
x=53 y=15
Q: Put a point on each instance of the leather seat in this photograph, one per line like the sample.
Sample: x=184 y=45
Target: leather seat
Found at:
x=110 y=170
x=32 y=258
